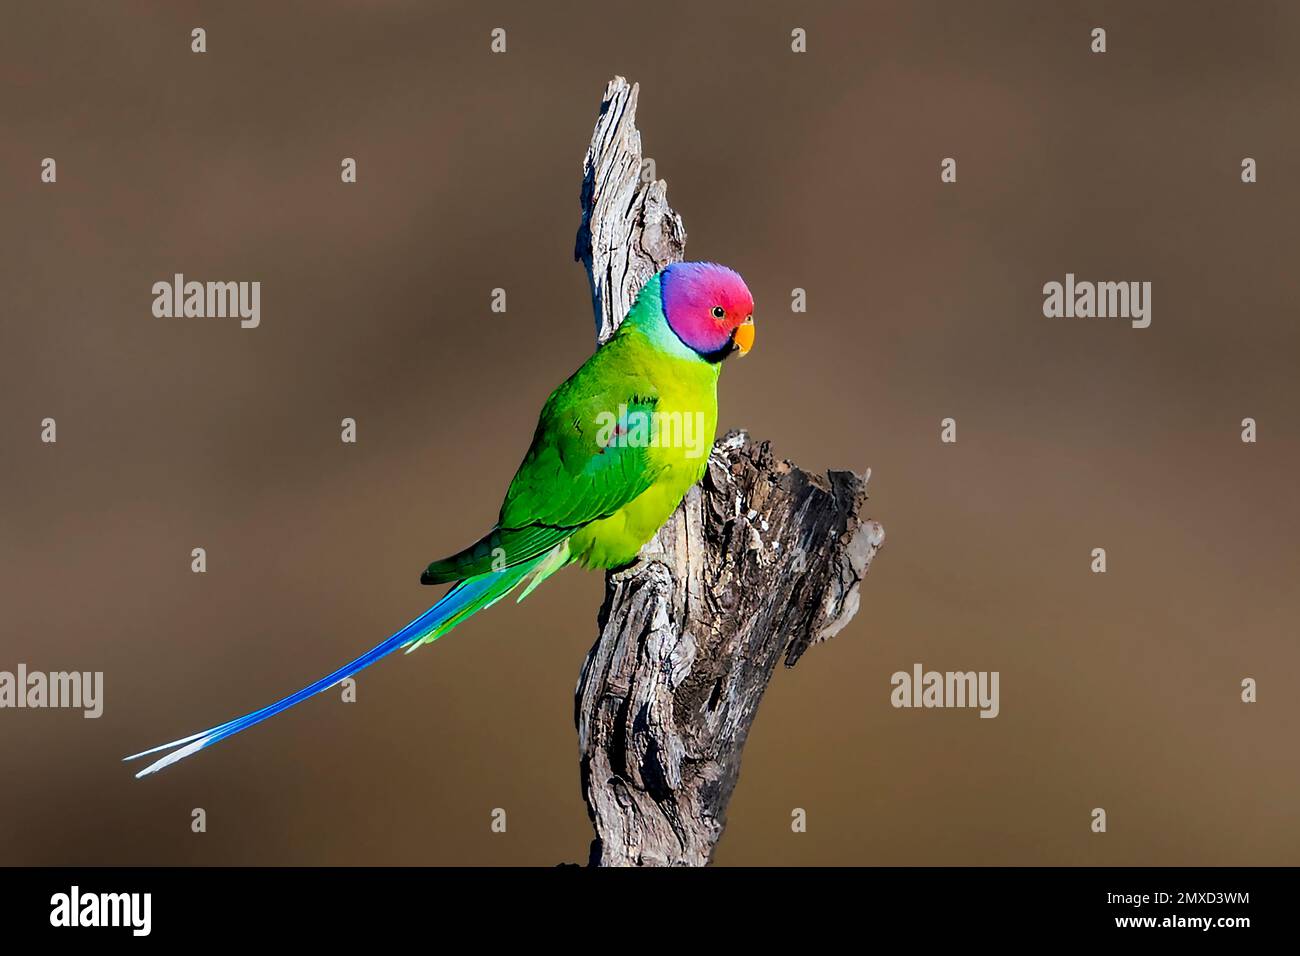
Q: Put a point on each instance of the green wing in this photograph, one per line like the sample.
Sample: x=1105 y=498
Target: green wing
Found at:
x=573 y=473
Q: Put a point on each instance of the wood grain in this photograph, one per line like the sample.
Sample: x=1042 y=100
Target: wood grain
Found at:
x=760 y=561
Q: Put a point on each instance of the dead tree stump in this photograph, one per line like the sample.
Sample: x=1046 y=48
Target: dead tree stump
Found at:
x=761 y=560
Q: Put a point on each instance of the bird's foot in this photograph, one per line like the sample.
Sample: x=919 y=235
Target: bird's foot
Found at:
x=630 y=570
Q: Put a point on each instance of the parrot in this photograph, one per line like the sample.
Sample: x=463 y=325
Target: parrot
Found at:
x=606 y=468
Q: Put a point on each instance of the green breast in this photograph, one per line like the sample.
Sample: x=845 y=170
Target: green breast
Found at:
x=681 y=433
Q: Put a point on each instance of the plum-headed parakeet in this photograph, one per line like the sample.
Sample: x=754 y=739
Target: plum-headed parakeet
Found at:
x=616 y=448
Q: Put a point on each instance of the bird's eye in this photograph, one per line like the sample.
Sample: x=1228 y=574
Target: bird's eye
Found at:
x=719 y=312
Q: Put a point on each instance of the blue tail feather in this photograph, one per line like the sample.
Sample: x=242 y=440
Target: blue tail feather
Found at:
x=461 y=601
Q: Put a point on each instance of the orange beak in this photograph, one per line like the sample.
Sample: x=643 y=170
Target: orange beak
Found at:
x=744 y=336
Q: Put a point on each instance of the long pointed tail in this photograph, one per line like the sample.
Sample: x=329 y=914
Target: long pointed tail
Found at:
x=462 y=601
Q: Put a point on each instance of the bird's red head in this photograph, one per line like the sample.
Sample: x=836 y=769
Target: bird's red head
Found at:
x=709 y=307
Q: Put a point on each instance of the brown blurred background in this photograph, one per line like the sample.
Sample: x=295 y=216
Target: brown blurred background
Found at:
x=818 y=171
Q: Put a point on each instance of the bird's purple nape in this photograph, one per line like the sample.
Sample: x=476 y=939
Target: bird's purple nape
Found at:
x=704 y=304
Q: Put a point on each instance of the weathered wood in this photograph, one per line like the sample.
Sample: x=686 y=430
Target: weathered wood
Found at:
x=628 y=231
x=761 y=560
